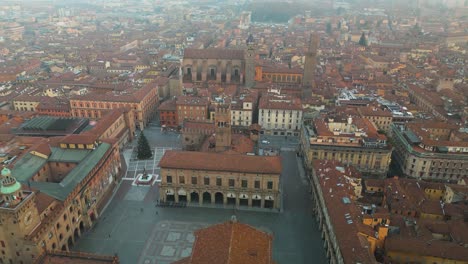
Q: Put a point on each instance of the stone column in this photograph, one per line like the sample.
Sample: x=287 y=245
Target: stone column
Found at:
x=262 y=203
x=218 y=71
x=225 y=199
x=250 y=202
x=200 y=199
x=188 y=198
x=204 y=70
x=228 y=72
x=237 y=200
x=213 y=198
x=176 y=196
x=194 y=70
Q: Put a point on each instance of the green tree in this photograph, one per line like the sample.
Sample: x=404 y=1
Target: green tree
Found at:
x=144 y=150
x=363 y=40
x=329 y=28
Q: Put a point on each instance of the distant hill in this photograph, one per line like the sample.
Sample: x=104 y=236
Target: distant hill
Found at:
x=276 y=12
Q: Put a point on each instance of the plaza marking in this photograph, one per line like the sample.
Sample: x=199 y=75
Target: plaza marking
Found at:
x=136 y=166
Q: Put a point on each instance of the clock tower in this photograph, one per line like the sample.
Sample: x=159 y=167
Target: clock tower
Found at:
x=12 y=197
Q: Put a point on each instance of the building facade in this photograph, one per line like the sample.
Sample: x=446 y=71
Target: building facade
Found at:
x=220 y=65
x=430 y=151
x=69 y=185
x=242 y=112
x=229 y=180
x=352 y=141
x=143 y=101
x=168 y=113
x=191 y=108
x=280 y=115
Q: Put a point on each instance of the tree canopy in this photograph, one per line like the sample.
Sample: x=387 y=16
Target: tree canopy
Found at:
x=143 y=150
x=363 y=40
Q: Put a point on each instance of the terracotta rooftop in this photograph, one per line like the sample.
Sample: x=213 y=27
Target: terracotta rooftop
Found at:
x=231 y=243
x=427 y=247
x=275 y=102
x=344 y=213
x=220 y=162
x=192 y=100
x=169 y=105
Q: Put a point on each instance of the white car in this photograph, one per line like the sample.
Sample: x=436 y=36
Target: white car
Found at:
x=265 y=142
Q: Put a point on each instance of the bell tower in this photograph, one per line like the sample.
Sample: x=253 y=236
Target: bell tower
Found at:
x=223 y=127
x=250 y=62
x=308 y=77
x=10 y=191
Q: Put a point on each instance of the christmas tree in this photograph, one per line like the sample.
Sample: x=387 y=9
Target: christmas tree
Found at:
x=144 y=150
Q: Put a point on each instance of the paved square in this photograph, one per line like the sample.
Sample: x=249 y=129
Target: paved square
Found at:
x=170 y=241
x=141 y=233
x=137 y=193
x=136 y=166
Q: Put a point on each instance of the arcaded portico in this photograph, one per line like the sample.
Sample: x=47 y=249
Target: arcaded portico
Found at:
x=213 y=178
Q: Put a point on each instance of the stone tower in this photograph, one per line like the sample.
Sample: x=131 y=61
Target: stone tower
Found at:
x=19 y=216
x=250 y=62
x=308 y=77
x=223 y=127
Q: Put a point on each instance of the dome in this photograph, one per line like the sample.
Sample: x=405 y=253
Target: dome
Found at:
x=10 y=189
x=9 y=184
x=6 y=172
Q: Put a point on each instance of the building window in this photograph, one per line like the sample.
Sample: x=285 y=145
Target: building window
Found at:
x=169 y=179
x=181 y=179
x=219 y=181
x=231 y=182
x=257 y=184
x=270 y=185
x=194 y=180
x=206 y=180
x=244 y=183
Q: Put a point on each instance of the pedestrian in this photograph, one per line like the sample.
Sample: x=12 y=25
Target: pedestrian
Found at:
x=141 y=210
x=157 y=213
x=109 y=235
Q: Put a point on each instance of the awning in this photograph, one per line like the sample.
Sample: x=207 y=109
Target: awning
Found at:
x=169 y=192
x=231 y=195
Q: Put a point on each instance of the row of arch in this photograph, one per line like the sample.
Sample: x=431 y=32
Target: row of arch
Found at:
x=220 y=198
x=71 y=239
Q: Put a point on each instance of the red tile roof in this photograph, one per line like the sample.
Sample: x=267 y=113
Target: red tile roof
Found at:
x=220 y=162
x=231 y=243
